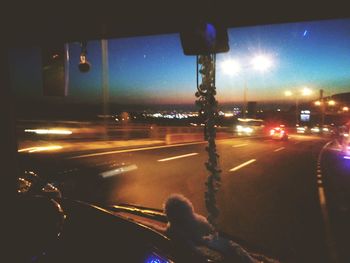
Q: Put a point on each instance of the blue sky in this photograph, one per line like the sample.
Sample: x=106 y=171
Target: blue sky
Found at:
x=153 y=69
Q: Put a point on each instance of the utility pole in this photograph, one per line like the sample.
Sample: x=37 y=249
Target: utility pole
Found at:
x=105 y=88
x=296 y=110
x=323 y=108
x=244 y=108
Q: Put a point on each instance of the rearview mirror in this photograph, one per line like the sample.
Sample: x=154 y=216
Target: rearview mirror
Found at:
x=204 y=38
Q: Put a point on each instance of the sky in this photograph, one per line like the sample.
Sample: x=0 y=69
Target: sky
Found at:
x=154 y=70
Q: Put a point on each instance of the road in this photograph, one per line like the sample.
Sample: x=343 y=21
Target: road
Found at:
x=269 y=195
x=336 y=171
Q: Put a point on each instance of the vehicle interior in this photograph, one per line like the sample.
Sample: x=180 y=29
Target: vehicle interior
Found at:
x=124 y=135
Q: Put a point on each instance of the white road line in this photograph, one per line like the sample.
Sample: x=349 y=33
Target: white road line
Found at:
x=148 y=148
x=327 y=227
x=279 y=149
x=242 y=165
x=134 y=150
x=240 y=145
x=177 y=157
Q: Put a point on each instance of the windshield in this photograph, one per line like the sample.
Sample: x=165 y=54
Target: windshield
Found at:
x=125 y=129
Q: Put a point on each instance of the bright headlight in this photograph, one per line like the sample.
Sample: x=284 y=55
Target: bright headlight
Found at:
x=248 y=130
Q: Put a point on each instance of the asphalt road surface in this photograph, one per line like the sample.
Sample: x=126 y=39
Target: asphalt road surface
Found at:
x=273 y=194
x=336 y=177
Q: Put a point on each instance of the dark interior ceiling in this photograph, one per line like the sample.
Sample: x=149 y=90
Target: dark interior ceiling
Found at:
x=30 y=23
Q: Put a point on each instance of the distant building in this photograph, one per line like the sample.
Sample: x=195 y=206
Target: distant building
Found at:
x=343 y=98
x=336 y=109
x=335 y=103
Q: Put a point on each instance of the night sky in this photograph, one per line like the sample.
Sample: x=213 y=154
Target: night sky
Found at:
x=154 y=70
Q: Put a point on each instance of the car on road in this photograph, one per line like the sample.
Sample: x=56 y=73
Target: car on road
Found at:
x=249 y=126
x=346 y=151
x=302 y=129
x=345 y=147
x=279 y=133
x=324 y=130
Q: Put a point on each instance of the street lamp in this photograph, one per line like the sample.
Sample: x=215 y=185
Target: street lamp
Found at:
x=261 y=63
x=331 y=102
x=304 y=92
x=232 y=67
x=322 y=103
x=288 y=93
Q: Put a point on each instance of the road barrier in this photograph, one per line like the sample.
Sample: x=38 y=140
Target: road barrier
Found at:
x=192 y=137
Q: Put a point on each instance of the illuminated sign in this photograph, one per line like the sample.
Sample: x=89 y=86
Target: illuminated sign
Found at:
x=305 y=115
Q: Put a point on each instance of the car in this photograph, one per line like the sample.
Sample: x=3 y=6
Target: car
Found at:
x=279 y=133
x=346 y=151
x=344 y=143
x=302 y=129
x=324 y=130
x=249 y=126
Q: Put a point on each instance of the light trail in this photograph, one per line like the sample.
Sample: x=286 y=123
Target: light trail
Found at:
x=240 y=145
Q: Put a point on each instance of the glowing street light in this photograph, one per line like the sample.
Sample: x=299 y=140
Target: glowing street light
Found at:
x=261 y=63
x=233 y=67
x=288 y=93
x=331 y=103
x=306 y=91
x=318 y=103
x=345 y=108
x=230 y=67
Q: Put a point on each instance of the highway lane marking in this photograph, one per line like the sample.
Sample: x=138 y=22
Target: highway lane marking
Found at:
x=330 y=241
x=240 y=145
x=147 y=148
x=177 y=157
x=242 y=165
x=279 y=149
x=133 y=150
